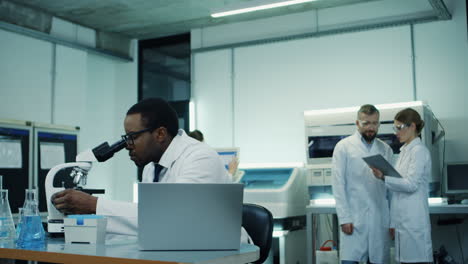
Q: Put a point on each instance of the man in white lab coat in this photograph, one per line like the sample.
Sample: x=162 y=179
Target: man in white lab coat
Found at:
x=168 y=154
x=361 y=203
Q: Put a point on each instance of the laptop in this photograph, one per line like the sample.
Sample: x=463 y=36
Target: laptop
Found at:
x=189 y=216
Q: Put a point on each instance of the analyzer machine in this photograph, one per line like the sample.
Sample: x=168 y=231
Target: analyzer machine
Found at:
x=282 y=190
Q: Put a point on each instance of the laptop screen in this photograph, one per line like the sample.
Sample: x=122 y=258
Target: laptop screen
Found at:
x=189 y=216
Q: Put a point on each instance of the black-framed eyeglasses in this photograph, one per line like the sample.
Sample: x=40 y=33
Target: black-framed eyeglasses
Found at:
x=130 y=137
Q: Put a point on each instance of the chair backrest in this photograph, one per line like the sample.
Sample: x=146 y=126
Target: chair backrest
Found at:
x=258 y=222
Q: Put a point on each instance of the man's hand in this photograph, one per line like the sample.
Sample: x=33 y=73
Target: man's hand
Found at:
x=347 y=228
x=392 y=233
x=74 y=202
x=232 y=167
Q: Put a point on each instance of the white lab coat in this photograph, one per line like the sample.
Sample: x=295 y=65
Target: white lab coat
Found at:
x=186 y=160
x=361 y=200
x=409 y=206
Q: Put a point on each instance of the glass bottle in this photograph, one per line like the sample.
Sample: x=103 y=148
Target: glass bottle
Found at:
x=7 y=226
x=32 y=234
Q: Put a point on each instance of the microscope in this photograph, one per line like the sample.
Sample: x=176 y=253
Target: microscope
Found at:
x=79 y=173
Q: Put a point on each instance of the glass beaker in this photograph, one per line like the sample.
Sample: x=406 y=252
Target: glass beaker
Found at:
x=31 y=234
x=7 y=226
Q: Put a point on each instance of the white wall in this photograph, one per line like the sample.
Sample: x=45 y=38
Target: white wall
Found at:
x=70 y=84
x=274 y=82
x=25 y=78
x=89 y=91
x=213 y=99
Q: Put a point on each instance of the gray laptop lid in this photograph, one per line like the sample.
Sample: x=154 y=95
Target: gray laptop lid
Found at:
x=189 y=216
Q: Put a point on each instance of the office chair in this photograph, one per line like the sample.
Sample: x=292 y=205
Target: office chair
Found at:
x=258 y=222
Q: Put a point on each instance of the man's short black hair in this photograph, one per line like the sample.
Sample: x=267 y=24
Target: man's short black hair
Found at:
x=155 y=113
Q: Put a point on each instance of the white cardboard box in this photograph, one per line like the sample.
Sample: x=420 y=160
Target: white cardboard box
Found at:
x=89 y=229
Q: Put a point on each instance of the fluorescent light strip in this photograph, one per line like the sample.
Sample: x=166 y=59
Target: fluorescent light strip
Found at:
x=260 y=7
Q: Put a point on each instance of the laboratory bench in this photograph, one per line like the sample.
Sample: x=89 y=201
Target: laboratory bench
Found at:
x=313 y=210
x=124 y=250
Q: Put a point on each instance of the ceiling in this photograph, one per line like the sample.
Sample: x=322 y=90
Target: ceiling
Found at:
x=145 y=19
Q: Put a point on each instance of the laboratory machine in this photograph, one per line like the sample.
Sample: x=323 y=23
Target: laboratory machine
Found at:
x=282 y=190
x=326 y=127
x=80 y=170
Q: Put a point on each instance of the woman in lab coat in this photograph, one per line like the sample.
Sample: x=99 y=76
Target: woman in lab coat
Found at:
x=409 y=206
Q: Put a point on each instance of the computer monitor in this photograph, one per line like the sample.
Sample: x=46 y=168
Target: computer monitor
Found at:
x=456 y=179
x=227 y=154
x=323 y=146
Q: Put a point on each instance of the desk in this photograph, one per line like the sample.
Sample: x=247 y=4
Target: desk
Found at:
x=125 y=251
x=312 y=210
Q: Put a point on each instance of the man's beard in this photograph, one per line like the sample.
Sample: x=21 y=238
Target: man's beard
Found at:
x=369 y=138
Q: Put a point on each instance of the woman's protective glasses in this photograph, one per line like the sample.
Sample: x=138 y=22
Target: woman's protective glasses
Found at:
x=398 y=128
x=130 y=137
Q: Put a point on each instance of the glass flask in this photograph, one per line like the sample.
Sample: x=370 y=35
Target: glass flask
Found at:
x=20 y=221
x=7 y=226
x=31 y=234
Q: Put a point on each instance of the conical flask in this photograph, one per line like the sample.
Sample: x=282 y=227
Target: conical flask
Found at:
x=32 y=234
x=20 y=221
x=7 y=226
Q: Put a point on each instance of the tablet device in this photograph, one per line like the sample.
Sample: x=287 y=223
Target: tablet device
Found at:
x=380 y=163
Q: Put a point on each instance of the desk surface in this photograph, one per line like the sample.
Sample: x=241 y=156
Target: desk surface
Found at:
x=330 y=209
x=124 y=251
x=433 y=209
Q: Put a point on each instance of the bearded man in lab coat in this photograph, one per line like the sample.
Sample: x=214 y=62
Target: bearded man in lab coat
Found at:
x=154 y=141
x=361 y=203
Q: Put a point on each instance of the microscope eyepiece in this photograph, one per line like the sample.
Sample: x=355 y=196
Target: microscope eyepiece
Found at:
x=104 y=152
